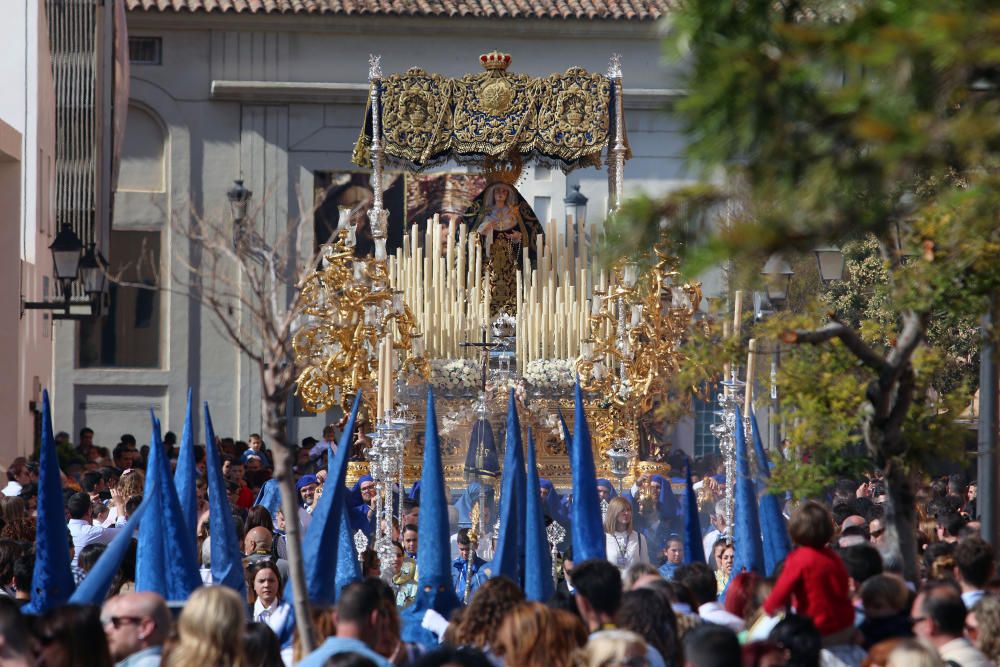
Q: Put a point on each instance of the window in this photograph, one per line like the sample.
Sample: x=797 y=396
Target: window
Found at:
x=705 y=443
x=145 y=50
x=128 y=335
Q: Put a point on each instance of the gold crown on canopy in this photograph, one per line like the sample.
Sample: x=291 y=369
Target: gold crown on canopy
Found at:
x=494 y=60
x=505 y=169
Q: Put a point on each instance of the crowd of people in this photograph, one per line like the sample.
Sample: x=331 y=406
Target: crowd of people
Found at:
x=839 y=597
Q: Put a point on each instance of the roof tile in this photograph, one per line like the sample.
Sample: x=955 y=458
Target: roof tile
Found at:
x=627 y=10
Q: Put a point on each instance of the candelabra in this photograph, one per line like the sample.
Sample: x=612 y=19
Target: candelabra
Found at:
x=637 y=324
x=725 y=431
x=347 y=310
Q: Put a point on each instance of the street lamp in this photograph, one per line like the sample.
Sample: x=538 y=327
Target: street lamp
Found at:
x=239 y=198
x=66 y=248
x=777 y=279
x=831 y=261
x=92 y=272
x=576 y=207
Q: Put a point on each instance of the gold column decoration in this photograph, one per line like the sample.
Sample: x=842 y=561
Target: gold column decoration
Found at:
x=348 y=309
x=637 y=323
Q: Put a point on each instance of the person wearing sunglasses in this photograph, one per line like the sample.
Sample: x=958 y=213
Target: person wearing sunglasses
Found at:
x=136 y=625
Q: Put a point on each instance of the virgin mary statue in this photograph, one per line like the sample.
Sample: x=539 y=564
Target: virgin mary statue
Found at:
x=506 y=224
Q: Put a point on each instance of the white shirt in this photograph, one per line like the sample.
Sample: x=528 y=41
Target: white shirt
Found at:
x=709 y=541
x=713 y=612
x=626 y=549
x=274 y=616
x=84 y=533
x=12 y=489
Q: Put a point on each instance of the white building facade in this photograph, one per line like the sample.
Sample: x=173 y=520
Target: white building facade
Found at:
x=275 y=95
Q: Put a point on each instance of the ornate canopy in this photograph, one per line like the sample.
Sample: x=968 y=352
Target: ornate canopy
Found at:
x=564 y=120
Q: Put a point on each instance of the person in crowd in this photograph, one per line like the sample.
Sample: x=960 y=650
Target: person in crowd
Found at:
x=974 y=566
x=646 y=613
x=264 y=584
x=482 y=618
x=862 y=562
x=885 y=601
x=449 y=656
x=638 y=573
x=531 y=636
x=404 y=577
x=616 y=647
x=461 y=569
x=911 y=653
x=306 y=487
x=598 y=595
x=673 y=556
x=624 y=544
x=711 y=645
x=722 y=560
x=81 y=528
x=813 y=579
x=359 y=620
x=210 y=629
x=71 y=636
x=18 y=477
x=700 y=580
x=800 y=639
x=136 y=626
x=938 y=617
x=982 y=626
x=15 y=636
x=606 y=490
x=718 y=530
x=410 y=539
x=260 y=646
x=739 y=600
x=258 y=545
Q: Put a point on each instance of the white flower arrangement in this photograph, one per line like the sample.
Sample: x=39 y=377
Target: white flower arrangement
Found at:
x=455 y=374
x=557 y=374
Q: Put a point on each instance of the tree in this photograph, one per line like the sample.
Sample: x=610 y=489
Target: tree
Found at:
x=844 y=121
x=252 y=292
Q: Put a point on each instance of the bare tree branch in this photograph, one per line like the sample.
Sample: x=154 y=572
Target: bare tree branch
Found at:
x=847 y=336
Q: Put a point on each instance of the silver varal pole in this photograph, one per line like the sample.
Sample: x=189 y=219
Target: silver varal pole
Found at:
x=378 y=217
x=616 y=159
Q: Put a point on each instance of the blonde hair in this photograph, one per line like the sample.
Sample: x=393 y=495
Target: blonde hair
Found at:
x=132 y=483
x=987 y=612
x=616 y=506
x=611 y=647
x=210 y=629
x=911 y=653
x=533 y=635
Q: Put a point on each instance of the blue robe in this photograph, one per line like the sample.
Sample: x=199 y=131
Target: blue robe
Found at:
x=458 y=569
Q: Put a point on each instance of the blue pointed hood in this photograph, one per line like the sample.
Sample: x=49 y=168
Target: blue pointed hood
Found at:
x=320 y=553
x=94 y=588
x=773 y=527
x=269 y=497
x=749 y=552
x=509 y=557
x=166 y=562
x=588 y=531
x=694 y=549
x=52 y=581
x=348 y=567
x=185 y=473
x=436 y=589
x=538 y=584
x=227 y=561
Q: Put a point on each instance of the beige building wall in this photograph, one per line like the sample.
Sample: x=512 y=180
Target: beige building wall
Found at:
x=27 y=226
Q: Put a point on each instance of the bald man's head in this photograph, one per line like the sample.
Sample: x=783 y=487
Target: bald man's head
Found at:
x=258 y=541
x=134 y=622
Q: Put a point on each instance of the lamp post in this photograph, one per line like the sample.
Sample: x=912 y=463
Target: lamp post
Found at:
x=66 y=249
x=830 y=260
x=239 y=199
x=777 y=281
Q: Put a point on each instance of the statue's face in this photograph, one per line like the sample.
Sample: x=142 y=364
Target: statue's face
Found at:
x=500 y=196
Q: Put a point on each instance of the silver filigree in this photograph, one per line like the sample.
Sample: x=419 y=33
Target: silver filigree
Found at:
x=360 y=544
x=615 y=66
x=374 y=67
